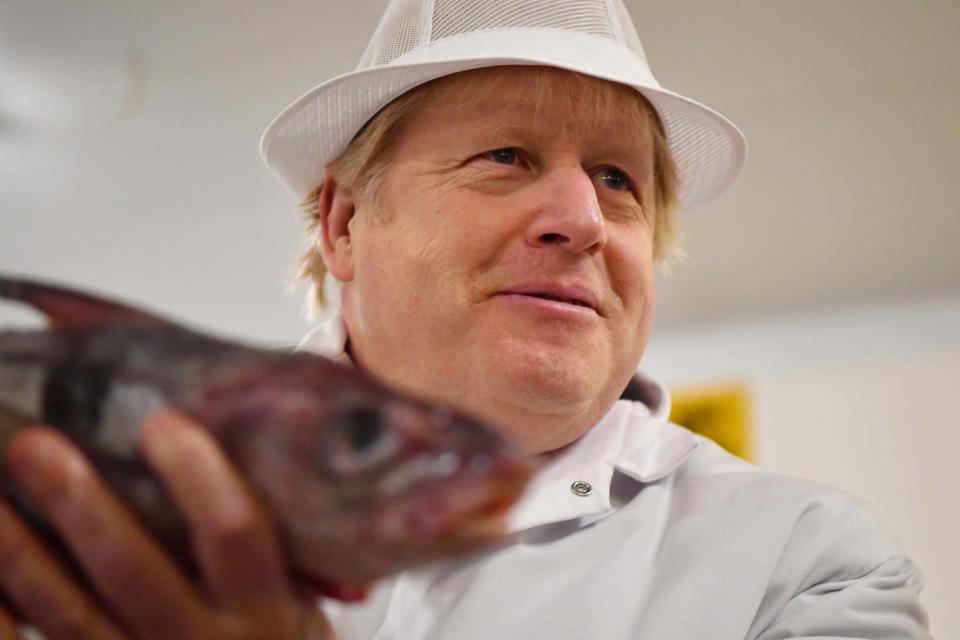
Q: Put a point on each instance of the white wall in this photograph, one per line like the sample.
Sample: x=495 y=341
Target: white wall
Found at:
x=862 y=398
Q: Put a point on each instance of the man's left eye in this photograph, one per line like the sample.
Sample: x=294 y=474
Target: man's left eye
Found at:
x=615 y=179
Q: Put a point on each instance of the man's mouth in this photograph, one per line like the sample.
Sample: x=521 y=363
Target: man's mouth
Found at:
x=544 y=296
x=571 y=294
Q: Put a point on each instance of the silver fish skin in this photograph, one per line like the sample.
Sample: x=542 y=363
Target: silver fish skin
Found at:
x=360 y=481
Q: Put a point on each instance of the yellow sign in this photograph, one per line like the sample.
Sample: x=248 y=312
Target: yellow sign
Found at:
x=719 y=412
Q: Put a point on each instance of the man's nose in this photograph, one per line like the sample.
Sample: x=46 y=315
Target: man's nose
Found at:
x=568 y=214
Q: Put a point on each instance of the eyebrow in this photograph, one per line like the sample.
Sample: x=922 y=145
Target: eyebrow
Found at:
x=617 y=145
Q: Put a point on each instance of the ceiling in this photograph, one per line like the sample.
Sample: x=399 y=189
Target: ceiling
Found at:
x=128 y=149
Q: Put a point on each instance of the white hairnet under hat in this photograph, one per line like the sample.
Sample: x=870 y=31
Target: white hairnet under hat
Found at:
x=420 y=40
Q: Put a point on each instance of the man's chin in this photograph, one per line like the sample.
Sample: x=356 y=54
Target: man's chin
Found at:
x=544 y=383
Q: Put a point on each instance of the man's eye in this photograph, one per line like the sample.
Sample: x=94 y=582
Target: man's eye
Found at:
x=615 y=179
x=506 y=155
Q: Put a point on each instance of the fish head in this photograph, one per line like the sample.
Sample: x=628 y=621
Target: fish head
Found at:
x=361 y=481
x=365 y=482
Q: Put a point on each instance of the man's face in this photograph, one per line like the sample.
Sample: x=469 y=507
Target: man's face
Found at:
x=506 y=267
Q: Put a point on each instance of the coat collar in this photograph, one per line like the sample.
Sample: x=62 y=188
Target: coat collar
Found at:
x=634 y=439
x=329 y=338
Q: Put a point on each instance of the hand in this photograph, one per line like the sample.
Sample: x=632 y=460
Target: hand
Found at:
x=244 y=591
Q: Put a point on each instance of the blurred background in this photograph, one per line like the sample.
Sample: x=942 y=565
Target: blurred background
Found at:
x=823 y=289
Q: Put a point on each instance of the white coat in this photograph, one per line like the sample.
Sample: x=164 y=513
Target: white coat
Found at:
x=677 y=540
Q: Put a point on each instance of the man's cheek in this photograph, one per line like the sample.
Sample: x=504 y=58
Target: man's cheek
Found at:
x=437 y=267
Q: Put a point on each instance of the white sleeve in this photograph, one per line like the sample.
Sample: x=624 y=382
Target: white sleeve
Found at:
x=843 y=575
x=883 y=603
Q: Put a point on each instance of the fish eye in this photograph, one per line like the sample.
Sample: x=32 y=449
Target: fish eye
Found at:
x=361 y=440
x=361 y=428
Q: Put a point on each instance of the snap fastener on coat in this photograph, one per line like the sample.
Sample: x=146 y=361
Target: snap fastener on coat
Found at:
x=581 y=488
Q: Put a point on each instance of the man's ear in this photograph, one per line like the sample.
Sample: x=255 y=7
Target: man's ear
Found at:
x=335 y=211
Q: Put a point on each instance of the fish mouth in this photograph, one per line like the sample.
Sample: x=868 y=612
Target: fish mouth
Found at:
x=463 y=510
x=472 y=508
x=406 y=533
x=483 y=521
x=466 y=513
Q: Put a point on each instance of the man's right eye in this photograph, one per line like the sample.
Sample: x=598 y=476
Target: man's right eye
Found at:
x=505 y=155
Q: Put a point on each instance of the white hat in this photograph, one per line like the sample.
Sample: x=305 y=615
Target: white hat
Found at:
x=420 y=40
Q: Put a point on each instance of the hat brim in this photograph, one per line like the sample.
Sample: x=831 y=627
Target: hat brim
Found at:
x=708 y=150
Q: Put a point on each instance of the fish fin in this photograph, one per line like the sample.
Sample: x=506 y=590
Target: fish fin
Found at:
x=342 y=591
x=69 y=308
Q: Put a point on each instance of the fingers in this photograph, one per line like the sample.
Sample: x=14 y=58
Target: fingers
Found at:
x=8 y=626
x=140 y=589
x=140 y=584
x=42 y=591
x=234 y=542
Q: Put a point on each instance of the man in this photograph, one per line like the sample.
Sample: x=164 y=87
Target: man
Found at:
x=491 y=191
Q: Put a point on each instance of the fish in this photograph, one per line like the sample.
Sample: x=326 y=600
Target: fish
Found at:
x=360 y=481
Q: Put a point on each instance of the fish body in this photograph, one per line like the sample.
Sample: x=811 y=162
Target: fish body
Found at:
x=360 y=481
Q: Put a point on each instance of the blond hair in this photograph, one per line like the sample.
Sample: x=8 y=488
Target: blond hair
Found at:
x=362 y=164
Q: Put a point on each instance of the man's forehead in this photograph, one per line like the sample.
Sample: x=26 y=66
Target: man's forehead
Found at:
x=533 y=97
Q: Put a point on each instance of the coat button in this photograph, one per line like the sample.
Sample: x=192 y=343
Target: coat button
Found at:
x=581 y=488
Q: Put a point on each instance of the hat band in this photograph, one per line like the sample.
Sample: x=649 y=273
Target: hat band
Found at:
x=550 y=47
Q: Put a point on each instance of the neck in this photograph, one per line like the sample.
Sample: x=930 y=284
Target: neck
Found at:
x=540 y=429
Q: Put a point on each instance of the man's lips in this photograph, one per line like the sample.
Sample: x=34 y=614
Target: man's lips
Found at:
x=572 y=294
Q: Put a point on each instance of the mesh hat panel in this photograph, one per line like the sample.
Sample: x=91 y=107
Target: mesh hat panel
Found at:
x=418 y=22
